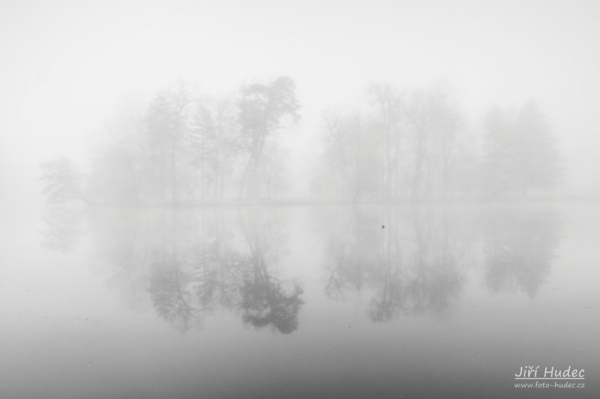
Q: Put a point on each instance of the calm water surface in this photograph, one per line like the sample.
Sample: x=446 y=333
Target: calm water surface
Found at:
x=284 y=302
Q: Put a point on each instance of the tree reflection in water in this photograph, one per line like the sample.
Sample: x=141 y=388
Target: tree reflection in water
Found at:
x=410 y=266
x=218 y=272
x=421 y=276
x=264 y=300
x=61 y=228
x=172 y=295
x=520 y=243
x=189 y=264
x=417 y=263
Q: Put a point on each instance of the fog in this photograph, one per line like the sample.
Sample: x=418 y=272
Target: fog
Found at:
x=292 y=199
x=68 y=67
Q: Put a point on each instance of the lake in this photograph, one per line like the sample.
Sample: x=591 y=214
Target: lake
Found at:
x=346 y=301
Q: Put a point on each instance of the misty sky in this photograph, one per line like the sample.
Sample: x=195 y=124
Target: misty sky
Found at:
x=66 y=66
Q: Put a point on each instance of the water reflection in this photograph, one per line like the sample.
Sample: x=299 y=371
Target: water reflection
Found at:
x=519 y=246
x=421 y=267
x=414 y=260
x=264 y=299
x=188 y=264
x=407 y=260
x=402 y=260
x=61 y=228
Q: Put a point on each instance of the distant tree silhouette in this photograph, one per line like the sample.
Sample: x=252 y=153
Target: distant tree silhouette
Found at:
x=520 y=152
x=167 y=129
x=434 y=126
x=184 y=145
x=350 y=164
x=406 y=143
x=262 y=111
x=215 y=140
x=392 y=135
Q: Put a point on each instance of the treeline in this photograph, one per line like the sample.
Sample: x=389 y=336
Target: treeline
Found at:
x=406 y=144
x=418 y=145
x=188 y=146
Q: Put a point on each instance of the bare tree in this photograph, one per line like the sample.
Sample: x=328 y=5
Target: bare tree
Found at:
x=389 y=104
x=408 y=143
x=215 y=144
x=167 y=121
x=351 y=158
